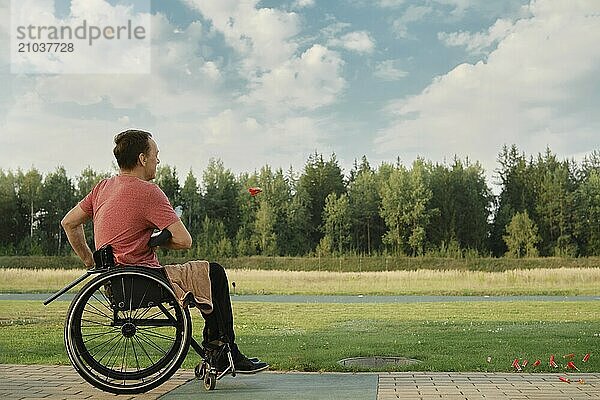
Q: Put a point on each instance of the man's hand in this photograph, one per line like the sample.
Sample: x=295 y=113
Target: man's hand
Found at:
x=73 y=224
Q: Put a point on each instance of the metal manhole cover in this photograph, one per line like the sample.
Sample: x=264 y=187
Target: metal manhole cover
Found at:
x=377 y=362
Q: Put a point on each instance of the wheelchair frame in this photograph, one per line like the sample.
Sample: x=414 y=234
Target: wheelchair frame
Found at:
x=126 y=333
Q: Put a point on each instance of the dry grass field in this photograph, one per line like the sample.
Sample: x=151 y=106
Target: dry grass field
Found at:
x=539 y=281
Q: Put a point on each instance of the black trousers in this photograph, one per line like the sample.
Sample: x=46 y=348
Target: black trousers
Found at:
x=218 y=325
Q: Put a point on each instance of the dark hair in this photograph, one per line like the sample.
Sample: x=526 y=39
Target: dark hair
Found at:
x=128 y=146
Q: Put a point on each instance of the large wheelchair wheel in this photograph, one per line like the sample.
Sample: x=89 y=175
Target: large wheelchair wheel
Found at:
x=125 y=332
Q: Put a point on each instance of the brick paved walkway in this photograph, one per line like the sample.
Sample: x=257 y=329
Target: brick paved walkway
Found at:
x=474 y=385
x=62 y=382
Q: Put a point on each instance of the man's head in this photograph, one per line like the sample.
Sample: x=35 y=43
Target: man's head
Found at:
x=137 y=153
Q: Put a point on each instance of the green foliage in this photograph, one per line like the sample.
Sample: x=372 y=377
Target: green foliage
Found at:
x=445 y=210
x=265 y=229
x=191 y=201
x=587 y=213
x=9 y=217
x=405 y=197
x=522 y=236
x=364 y=202
x=336 y=225
x=167 y=180
x=220 y=198
x=213 y=241
x=320 y=178
x=461 y=206
x=58 y=197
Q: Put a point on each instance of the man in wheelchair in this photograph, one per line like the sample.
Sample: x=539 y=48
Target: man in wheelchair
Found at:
x=125 y=210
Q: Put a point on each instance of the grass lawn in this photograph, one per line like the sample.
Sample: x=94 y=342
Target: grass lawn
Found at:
x=313 y=337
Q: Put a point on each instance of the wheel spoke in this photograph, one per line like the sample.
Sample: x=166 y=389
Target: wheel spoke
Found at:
x=137 y=361
x=111 y=348
x=144 y=349
x=102 y=345
x=106 y=305
x=139 y=307
x=115 y=355
x=131 y=292
x=95 y=323
x=158 y=313
x=149 y=331
x=143 y=313
x=96 y=335
x=123 y=359
x=149 y=341
x=99 y=313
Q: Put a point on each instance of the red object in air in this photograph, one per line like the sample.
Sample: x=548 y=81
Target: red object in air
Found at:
x=254 y=191
x=537 y=362
x=516 y=365
x=562 y=378
x=552 y=363
x=525 y=362
x=586 y=357
x=570 y=356
x=571 y=365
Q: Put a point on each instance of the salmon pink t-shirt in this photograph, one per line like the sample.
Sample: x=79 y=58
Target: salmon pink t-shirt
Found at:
x=125 y=210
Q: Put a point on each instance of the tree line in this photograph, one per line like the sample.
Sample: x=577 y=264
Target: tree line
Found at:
x=546 y=207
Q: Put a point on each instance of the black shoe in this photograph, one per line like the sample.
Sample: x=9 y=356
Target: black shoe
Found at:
x=244 y=365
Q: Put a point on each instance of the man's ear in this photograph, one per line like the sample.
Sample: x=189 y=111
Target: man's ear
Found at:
x=142 y=159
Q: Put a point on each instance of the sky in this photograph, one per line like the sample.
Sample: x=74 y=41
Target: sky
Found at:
x=270 y=82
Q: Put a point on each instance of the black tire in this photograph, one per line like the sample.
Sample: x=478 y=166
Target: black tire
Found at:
x=200 y=371
x=127 y=348
x=210 y=381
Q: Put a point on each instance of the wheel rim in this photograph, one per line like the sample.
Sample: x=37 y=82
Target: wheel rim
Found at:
x=130 y=347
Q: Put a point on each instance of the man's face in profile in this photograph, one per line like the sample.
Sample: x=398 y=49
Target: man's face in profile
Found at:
x=151 y=160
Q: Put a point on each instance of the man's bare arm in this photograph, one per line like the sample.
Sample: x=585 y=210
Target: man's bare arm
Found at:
x=73 y=224
x=180 y=239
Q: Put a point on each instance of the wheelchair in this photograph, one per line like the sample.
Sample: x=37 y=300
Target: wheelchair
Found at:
x=126 y=333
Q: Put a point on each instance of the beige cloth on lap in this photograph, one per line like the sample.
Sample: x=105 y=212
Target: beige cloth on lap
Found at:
x=191 y=281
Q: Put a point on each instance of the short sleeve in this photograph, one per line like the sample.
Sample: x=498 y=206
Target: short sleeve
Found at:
x=87 y=204
x=160 y=213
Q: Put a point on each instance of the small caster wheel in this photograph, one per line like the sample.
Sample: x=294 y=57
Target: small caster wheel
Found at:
x=200 y=371
x=210 y=381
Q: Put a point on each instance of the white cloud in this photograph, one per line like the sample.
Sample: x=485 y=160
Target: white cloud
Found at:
x=390 y=3
x=84 y=111
x=244 y=142
x=124 y=120
x=31 y=136
x=533 y=90
x=412 y=14
x=332 y=30
x=306 y=82
x=389 y=71
x=181 y=82
x=303 y=3
x=479 y=42
x=263 y=36
x=359 y=41
x=459 y=6
x=118 y=55
x=182 y=102
x=279 y=79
